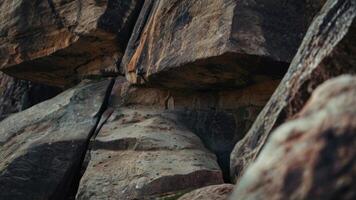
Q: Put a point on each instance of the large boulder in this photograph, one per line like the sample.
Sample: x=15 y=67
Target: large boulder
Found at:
x=204 y=44
x=59 y=41
x=328 y=50
x=312 y=156
x=219 y=117
x=142 y=153
x=213 y=192
x=42 y=148
x=17 y=95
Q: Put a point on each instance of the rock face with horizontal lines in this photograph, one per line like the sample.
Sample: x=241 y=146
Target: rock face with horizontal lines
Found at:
x=58 y=42
x=145 y=154
x=227 y=43
x=328 y=50
x=312 y=156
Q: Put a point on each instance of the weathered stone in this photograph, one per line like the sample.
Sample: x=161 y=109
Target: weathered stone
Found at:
x=312 y=156
x=59 y=41
x=214 y=192
x=145 y=154
x=17 y=95
x=219 y=117
x=205 y=44
x=328 y=50
x=41 y=148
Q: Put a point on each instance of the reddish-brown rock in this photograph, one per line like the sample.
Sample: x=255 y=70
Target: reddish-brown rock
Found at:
x=59 y=41
x=213 y=192
x=312 y=156
x=328 y=50
x=204 y=44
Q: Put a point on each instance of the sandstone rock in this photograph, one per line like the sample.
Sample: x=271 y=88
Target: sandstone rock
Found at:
x=328 y=50
x=58 y=41
x=219 y=117
x=41 y=148
x=312 y=156
x=205 y=44
x=144 y=154
x=17 y=95
x=214 y=192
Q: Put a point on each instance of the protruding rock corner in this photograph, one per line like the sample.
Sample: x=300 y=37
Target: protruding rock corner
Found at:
x=177 y=99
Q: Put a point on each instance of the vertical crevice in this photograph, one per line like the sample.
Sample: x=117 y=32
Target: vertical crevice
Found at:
x=101 y=118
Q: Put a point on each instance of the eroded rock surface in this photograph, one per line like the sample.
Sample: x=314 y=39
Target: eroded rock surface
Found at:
x=189 y=44
x=220 y=118
x=312 y=156
x=41 y=148
x=328 y=50
x=59 y=41
x=213 y=192
x=142 y=153
x=17 y=95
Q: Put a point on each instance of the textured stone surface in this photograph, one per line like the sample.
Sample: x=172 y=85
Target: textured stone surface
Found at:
x=204 y=44
x=219 y=117
x=144 y=154
x=41 y=148
x=59 y=41
x=312 y=156
x=214 y=192
x=328 y=50
x=17 y=95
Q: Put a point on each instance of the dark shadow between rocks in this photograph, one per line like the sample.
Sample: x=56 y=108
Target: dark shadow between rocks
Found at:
x=219 y=130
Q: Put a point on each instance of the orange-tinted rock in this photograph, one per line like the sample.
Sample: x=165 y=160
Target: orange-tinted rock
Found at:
x=328 y=50
x=312 y=156
x=205 y=44
x=58 y=42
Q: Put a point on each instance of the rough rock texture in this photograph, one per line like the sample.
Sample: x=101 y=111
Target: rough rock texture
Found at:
x=41 y=148
x=189 y=44
x=142 y=153
x=220 y=118
x=313 y=156
x=214 y=192
x=17 y=95
x=58 y=41
x=328 y=50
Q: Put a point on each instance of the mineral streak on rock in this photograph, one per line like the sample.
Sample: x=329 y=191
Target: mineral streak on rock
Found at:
x=208 y=44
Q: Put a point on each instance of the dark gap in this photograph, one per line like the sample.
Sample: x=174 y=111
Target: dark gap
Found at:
x=80 y=169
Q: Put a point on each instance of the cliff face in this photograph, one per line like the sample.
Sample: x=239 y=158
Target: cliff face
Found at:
x=177 y=99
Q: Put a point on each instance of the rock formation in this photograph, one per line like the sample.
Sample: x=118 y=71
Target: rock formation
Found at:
x=42 y=147
x=197 y=45
x=140 y=153
x=313 y=156
x=58 y=41
x=17 y=95
x=328 y=50
x=213 y=192
x=157 y=96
